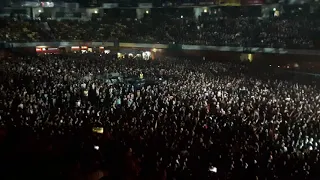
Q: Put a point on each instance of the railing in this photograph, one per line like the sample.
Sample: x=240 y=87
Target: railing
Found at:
x=166 y=46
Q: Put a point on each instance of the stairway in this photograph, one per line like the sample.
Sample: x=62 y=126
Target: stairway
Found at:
x=46 y=31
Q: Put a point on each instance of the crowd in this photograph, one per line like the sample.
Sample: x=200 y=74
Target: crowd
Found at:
x=207 y=30
x=17 y=31
x=22 y=30
x=201 y=120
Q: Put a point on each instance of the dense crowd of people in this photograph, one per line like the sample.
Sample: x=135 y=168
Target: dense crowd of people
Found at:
x=197 y=120
x=207 y=30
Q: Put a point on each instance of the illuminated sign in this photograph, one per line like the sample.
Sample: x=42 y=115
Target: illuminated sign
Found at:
x=47 y=4
x=30 y=4
x=98 y=130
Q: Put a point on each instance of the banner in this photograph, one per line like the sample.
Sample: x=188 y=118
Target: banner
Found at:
x=295 y=1
x=252 y=2
x=145 y=5
x=229 y=2
x=209 y=2
x=175 y=47
x=188 y=4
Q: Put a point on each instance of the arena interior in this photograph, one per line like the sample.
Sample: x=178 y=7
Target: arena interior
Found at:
x=160 y=90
